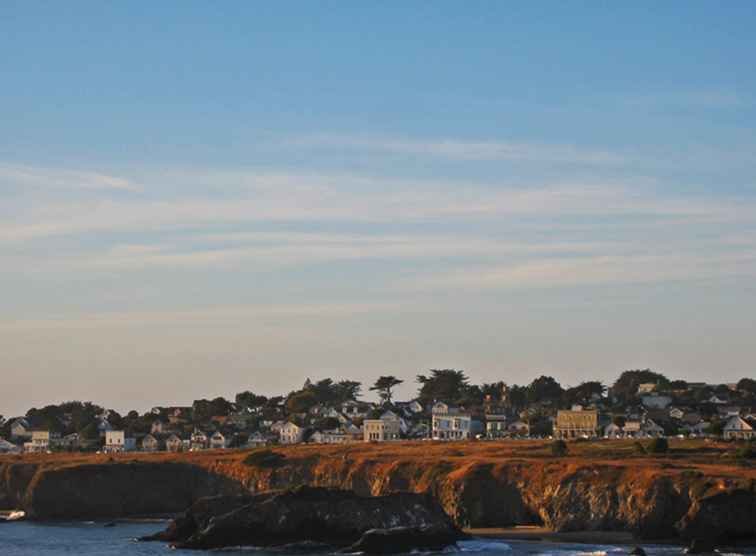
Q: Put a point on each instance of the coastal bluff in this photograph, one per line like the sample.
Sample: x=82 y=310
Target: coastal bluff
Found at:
x=696 y=491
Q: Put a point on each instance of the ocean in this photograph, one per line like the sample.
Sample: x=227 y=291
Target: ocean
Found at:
x=93 y=539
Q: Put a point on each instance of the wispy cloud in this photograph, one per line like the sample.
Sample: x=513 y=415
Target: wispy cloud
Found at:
x=312 y=199
x=458 y=149
x=59 y=178
x=591 y=271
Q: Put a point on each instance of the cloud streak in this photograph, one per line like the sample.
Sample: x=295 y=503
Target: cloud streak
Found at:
x=457 y=149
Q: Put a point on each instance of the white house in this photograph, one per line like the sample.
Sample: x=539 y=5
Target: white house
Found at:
x=496 y=425
x=454 y=426
x=174 y=444
x=20 y=429
x=198 y=441
x=655 y=401
x=117 y=441
x=290 y=433
x=150 y=443
x=42 y=441
x=613 y=431
x=8 y=447
x=219 y=441
x=738 y=428
x=387 y=427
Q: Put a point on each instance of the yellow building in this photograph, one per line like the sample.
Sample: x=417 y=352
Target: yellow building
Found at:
x=576 y=423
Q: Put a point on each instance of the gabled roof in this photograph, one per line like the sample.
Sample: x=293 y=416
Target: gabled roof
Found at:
x=736 y=423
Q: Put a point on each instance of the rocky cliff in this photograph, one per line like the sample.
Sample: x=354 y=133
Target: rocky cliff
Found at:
x=108 y=490
x=477 y=486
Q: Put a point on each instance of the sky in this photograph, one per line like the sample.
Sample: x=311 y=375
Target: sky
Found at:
x=202 y=198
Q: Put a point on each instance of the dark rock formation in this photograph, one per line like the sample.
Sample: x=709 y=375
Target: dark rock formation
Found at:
x=637 y=551
x=334 y=517
x=404 y=539
x=701 y=546
x=108 y=491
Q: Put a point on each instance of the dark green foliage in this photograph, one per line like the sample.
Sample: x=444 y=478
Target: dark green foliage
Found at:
x=448 y=385
x=544 y=388
x=250 y=399
x=747 y=385
x=584 y=393
x=559 y=448
x=658 y=446
x=384 y=386
x=202 y=410
x=265 y=458
x=746 y=451
x=626 y=386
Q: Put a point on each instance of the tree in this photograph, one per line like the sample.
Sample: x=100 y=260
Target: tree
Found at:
x=584 y=393
x=625 y=389
x=250 y=400
x=544 y=388
x=747 y=385
x=678 y=385
x=448 y=385
x=202 y=410
x=301 y=401
x=347 y=390
x=384 y=386
x=559 y=448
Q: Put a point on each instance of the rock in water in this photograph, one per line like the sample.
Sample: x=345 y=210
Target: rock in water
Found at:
x=335 y=517
x=404 y=539
x=700 y=546
x=637 y=551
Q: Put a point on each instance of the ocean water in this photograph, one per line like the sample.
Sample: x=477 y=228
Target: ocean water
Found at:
x=93 y=539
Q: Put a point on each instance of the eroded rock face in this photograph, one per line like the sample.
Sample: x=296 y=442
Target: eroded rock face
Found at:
x=334 y=517
x=106 y=491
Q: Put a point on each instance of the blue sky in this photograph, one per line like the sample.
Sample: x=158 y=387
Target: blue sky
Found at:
x=214 y=197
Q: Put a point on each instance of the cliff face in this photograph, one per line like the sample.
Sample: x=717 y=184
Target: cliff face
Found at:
x=651 y=498
x=108 y=490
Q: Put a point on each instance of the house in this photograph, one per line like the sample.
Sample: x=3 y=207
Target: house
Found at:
x=698 y=429
x=174 y=444
x=291 y=433
x=656 y=401
x=8 y=447
x=727 y=411
x=453 y=425
x=651 y=429
x=386 y=427
x=150 y=443
x=441 y=408
x=117 y=441
x=719 y=399
x=103 y=426
x=738 y=428
x=42 y=442
x=255 y=440
x=219 y=441
x=632 y=428
x=496 y=425
x=613 y=430
x=198 y=441
x=71 y=442
x=646 y=388
x=334 y=436
x=519 y=428
x=676 y=413
x=20 y=430
x=576 y=424
x=159 y=426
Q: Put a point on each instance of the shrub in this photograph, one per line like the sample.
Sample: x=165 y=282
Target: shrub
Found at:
x=639 y=448
x=746 y=451
x=265 y=458
x=559 y=448
x=658 y=446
